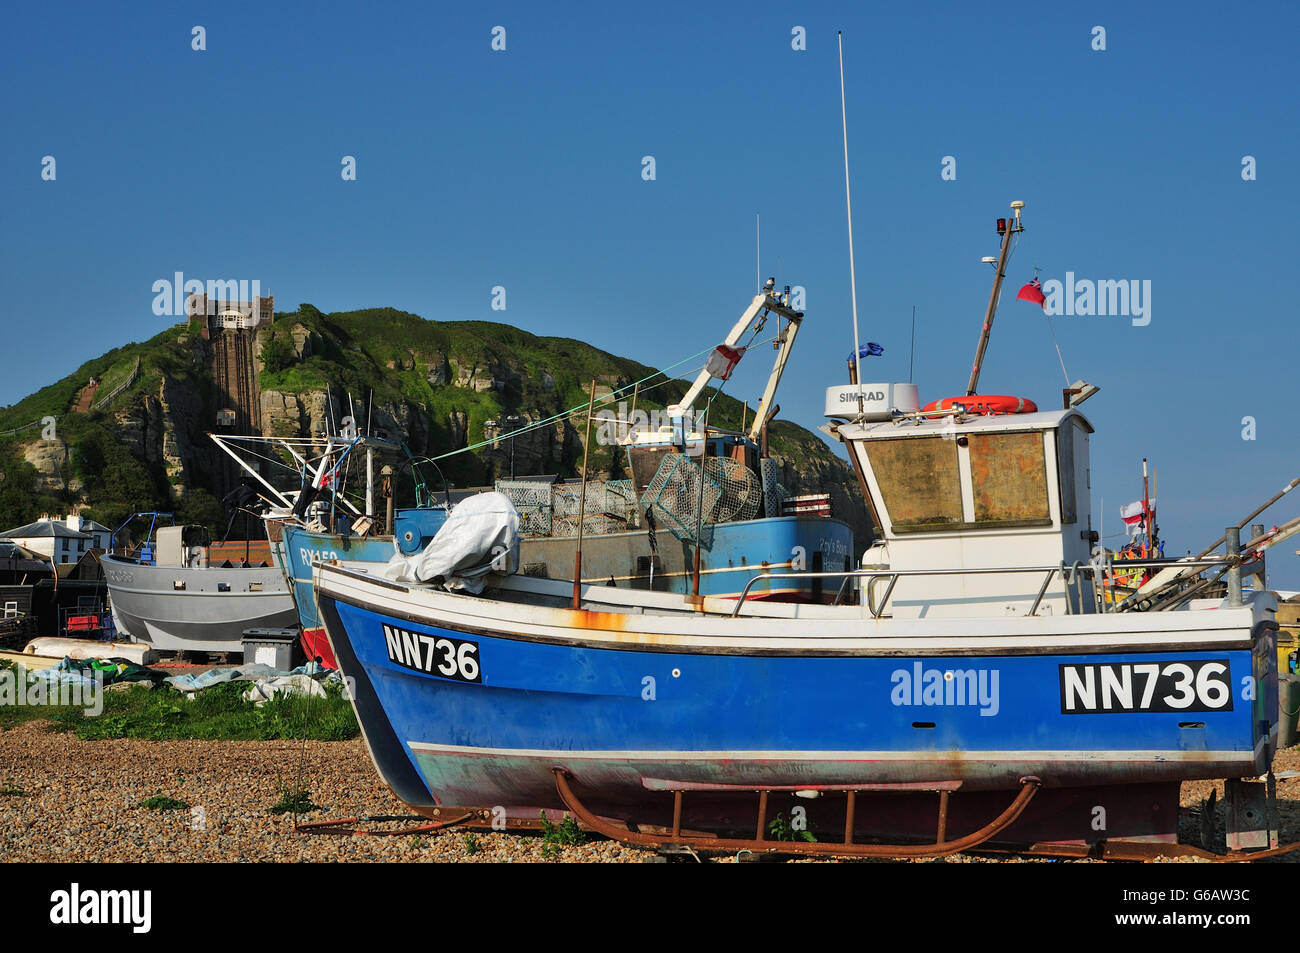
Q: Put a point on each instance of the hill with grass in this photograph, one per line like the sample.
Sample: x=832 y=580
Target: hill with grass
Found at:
x=136 y=439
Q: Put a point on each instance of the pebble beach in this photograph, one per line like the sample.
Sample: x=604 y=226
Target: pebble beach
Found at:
x=67 y=800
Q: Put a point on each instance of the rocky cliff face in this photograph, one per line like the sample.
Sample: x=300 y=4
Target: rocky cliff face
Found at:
x=293 y=415
x=161 y=422
x=53 y=471
x=180 y=417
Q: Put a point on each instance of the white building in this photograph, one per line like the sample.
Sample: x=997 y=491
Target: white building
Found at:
x=61 y=540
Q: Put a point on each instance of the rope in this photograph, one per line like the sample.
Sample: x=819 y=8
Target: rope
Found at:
x=1052 y=331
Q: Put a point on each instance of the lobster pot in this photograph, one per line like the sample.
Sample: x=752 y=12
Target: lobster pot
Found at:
x=610 y=507
x=731 y=492
x=680 y=504
x=532 y=500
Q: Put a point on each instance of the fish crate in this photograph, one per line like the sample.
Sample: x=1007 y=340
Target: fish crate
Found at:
x=274 y=647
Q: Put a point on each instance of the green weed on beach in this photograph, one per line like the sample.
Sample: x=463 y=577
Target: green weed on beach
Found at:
x=218 y=713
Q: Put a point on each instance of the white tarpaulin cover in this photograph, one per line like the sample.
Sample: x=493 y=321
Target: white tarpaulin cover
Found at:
x=480 y=536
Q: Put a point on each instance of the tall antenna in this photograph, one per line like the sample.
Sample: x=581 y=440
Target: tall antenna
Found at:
x=912 y=353
x=848 y=201
x=758 y=254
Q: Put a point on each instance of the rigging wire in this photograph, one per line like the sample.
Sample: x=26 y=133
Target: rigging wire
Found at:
x=1050 y=329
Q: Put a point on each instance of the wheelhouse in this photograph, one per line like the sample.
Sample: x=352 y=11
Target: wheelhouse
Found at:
x=989 y=495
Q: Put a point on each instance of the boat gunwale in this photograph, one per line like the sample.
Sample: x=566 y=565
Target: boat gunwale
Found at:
x=586 y=628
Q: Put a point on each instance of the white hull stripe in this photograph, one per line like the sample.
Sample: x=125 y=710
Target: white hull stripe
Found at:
x=420 y=747
x=188 y=595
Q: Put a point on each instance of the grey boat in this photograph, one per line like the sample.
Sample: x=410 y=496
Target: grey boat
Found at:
x=181 y=603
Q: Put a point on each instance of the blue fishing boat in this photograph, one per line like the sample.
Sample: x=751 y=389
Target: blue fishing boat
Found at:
x=467 y=701
x=968 y=678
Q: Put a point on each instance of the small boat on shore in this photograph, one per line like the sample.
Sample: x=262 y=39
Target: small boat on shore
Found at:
x=180 y=603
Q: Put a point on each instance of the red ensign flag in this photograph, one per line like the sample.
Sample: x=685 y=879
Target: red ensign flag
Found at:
x=1033 y=292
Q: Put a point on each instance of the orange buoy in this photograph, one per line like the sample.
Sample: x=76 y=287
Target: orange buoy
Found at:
x=990 y=404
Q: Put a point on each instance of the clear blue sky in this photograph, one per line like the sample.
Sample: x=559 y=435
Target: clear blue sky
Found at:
x=523 y=169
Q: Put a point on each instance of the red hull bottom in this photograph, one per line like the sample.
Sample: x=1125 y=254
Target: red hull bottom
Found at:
x=317 y=647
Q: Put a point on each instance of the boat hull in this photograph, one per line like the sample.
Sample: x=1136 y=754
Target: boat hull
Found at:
x=202 y=617
x=732 y=705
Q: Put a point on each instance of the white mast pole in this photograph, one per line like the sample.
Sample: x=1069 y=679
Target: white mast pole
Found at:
x=848 y=201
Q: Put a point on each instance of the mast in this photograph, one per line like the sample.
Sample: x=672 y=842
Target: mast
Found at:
x=1155 y=495
x=582 y=506
x=370 y=480
x=848 y=202
x=1146 y=508
x=1007 y=229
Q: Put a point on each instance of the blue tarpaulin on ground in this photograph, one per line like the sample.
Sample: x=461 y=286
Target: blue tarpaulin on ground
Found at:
x=216 y=676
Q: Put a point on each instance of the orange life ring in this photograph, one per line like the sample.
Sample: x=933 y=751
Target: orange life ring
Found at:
x=984 y=404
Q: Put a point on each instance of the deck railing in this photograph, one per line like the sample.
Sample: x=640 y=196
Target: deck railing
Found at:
x=1072 y=575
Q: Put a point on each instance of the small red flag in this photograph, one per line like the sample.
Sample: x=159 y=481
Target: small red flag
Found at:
x=1033 y=292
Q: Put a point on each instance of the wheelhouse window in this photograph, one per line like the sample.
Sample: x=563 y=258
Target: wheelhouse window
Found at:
x=919 y=481
x=1009 y=477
